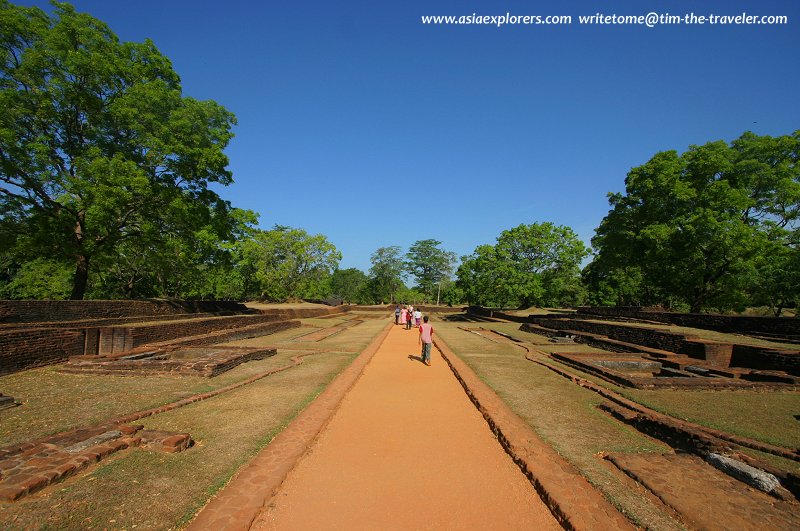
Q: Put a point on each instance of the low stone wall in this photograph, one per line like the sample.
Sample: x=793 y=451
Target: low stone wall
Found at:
x=57 y=311
x=719 y=354
x=281 y=314
x=26 y=349
x=669 y=341
x=494 y=314
x=38 y=333
x=424 y=308
x=766 y=359
x=787 y=327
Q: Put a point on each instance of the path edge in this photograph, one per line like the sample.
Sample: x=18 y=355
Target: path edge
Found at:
x=236 y=506
x=569 y=496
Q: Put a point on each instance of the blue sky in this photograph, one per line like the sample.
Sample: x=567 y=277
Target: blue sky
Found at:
x=357 y=121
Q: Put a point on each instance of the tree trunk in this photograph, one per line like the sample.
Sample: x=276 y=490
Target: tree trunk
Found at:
x=81 y=278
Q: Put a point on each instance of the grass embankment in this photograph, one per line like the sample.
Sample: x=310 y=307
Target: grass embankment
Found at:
x=150 y=490
x=564 y=415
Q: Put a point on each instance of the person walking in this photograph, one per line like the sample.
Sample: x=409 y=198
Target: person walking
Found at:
x=426 y=339
x=397 y=315
x=403 y=316
x=417 y=317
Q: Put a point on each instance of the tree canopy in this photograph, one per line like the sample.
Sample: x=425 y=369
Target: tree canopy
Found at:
x=98 y=147
x=712 y=228
x=537 y=264
x=386 y=273
x=429 y=265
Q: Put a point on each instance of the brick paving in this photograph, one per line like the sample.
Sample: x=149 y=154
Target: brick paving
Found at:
x=30 y=467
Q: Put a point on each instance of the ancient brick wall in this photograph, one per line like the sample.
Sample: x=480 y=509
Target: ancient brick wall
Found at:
x=55 y=311
x=282 y=314
x=486 y=312
x=119 y=339
x=766 y=359
x=641 y=336
x=23 y=347
x=780 y=326
x=26 y=349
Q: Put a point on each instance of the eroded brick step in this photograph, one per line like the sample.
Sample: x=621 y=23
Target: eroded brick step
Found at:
x=705 y=497
x=28 y=468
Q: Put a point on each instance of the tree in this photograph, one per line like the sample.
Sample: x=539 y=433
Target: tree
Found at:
x=349 y=284
x=97 y=144
x=530 y=264
x=482 y=279
x=290 y=263
x=694 y=226
x=430 y=265
x=541 y=263
x=386 y=272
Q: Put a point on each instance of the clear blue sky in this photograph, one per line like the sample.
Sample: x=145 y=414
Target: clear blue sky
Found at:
x=358 y=122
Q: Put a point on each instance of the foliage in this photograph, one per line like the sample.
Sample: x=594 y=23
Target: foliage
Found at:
x=350 y=285
x=429 y=265
x=98 y=148
x=703 y=228
x=385 y=275
x=535 y=264
x=38 y=279
x=290 y=263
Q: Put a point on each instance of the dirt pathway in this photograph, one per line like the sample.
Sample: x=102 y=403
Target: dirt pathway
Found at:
x=406 y=450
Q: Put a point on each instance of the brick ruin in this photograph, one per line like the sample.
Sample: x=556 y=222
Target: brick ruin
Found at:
x=124 y=338
x=642 y=356
x=161 y=336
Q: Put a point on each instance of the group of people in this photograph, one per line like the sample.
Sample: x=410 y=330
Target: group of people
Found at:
x=408 y=317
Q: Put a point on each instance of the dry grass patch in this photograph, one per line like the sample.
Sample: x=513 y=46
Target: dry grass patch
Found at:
x=766 y=416
x=151 y=490
x=565 y=416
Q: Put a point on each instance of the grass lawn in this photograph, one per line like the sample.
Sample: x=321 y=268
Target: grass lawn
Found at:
x=143 y=489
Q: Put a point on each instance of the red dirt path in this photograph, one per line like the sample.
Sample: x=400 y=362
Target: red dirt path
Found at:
x=406 y=450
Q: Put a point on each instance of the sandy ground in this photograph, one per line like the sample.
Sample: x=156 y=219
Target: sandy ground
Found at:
x=406 y=450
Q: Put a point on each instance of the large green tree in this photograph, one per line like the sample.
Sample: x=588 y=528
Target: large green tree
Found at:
x=696 y=228
x=98 y=147
x=537 y=264
x=289 y=263
x=430 y=265
x=386 y=273
x=350 y=284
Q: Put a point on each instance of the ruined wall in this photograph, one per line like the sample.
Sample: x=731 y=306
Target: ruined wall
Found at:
x=641 y=336
x=486 y=312
x=26 y=349
x=57 y=311
x=779 y=326
x=90 y=327
x=766 y=359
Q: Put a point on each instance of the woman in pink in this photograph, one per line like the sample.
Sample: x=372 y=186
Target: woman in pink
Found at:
x=403 y=316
